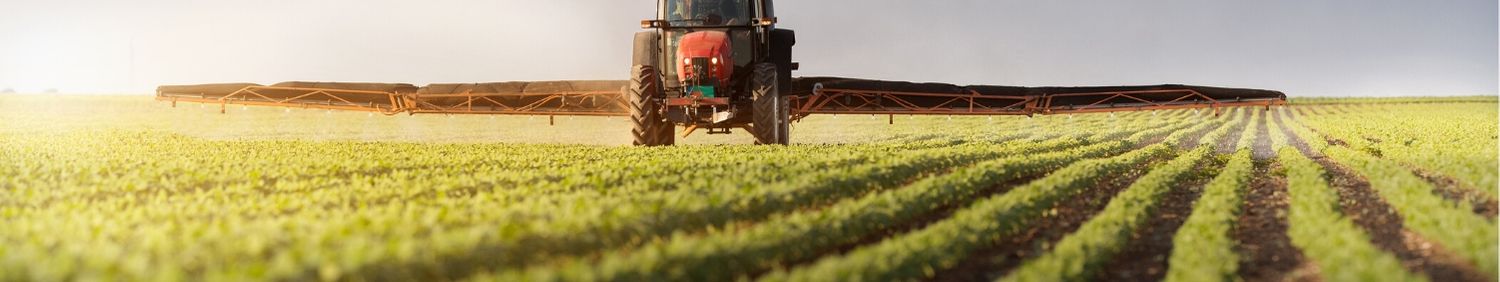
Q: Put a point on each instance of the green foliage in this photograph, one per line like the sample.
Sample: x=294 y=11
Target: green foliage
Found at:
x=1078 y=255
x=721 y=256
x=1453 y=140
x=1341 y=250
x=940 y=245
x=130 y=199
x=1453 y=226
x=1203 y=249
x=117 y=189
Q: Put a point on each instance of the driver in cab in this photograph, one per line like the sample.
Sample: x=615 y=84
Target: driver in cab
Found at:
x=710 y=12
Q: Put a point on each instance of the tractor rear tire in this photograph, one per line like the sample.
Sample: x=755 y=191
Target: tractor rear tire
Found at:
x=644 y=94
x=771 y=113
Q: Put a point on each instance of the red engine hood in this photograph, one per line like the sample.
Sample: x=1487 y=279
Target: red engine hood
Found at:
x=705 y=44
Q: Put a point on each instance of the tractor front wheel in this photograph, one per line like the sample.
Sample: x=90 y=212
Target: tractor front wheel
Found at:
x=772 y=114
x=644 y=92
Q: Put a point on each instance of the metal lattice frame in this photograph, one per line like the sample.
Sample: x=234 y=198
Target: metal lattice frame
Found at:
x=1131 y=101
x=851 y=101
x=854 y=101
x=578 y=103
x=334 y=99
x=612 y=103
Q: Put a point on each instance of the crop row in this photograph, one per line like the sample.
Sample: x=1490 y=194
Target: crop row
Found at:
x=656 y=216
x=720 y=256
x=679 y=257
x=1203 y=249
x=1099 y=239
x=258 y=168
x=1342 y=251
x=1456 y=228
x=1078 y=255
x=943 y=244
x=1448 y=139
x=1449 y=224
x=271 y=235
x=386 y=222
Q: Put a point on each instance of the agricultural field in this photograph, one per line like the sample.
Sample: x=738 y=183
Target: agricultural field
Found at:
x=122 y=188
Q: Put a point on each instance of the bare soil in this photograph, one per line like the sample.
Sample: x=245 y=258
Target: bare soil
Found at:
x=1261 y=149
x=1227 y=145
x=1145 y=257
x=1195 y=138
x=1301 y=111
x=1266 y=253
x=1452 y=190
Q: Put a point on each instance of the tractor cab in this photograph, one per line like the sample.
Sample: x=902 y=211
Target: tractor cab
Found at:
x=721 y=33
x=714 y=65
x=707 y=12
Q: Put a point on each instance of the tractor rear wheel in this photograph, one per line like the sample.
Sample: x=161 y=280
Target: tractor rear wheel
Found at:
x=644 y=93
x=771 y=113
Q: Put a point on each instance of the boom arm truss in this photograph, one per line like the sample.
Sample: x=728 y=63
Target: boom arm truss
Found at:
x=852 y=101
x=576 y=98
x=810 y=96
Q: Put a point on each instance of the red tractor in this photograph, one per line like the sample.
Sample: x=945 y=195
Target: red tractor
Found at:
x=711 y=64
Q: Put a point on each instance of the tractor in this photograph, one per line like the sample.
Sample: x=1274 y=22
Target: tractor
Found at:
x=714 y=65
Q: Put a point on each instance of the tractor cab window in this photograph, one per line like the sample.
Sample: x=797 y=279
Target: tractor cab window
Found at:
x=708 y=12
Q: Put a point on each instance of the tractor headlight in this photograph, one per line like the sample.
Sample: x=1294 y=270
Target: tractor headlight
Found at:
x=687 y=61
x=715 y=60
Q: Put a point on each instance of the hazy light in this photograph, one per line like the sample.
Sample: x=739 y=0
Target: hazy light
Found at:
x=1334 y=47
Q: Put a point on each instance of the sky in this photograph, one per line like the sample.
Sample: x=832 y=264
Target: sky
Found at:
x=1304 y=48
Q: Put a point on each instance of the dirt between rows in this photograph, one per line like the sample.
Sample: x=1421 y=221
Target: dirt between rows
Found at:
x=1362 y=204
x=1145 y=257
x=1261 y=150
x=1448 y=188
x=1065 y=218
x=1454 y=191
x=1266 y=252
x=917 y=223
x=1195 y=138
x=1227 y=145
x=1387 y=231
x=914 y=224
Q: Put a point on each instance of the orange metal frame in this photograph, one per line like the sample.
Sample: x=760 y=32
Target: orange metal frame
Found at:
x=612 y=103
x=828 y=101
x=1112 y=101
x=335 y=99
x=580 y=103
x=577 y=103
